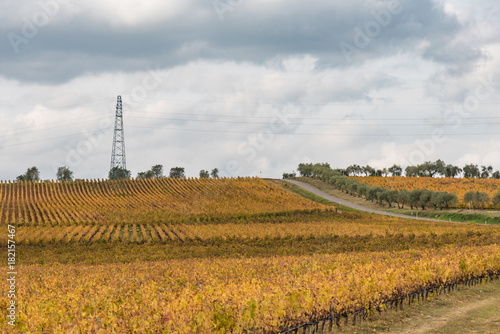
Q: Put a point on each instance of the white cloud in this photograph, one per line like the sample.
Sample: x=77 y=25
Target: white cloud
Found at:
x=136 y=13
x=226 y=80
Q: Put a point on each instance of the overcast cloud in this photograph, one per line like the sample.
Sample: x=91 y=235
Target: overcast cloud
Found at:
x=249 y=87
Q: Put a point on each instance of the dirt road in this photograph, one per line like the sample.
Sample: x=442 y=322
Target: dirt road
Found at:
x=340 y=201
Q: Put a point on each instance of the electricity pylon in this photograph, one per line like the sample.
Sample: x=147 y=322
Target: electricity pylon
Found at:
x=118 y=162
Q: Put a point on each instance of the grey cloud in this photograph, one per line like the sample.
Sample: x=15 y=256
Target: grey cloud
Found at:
x=254 y=34
x=249 y=56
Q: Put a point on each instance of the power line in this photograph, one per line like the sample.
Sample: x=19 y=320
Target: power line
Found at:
x=39 y=140
x=302 y=118
x=50 y=128
x=256 y=132
x=238 y=119
x=69 y=105
x=255 y=117
x=368 y=104
x=318 y=134
x=98 y=117
x=59 y=122
x=306 y=124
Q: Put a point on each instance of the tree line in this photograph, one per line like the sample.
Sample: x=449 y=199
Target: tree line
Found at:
x=156 y=171
x=437 y=168
x=418 y=198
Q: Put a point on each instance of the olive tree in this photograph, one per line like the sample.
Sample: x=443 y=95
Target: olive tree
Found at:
x=119 y=173
x=177 y=172
x=64 y=174
x=478 y=199
x=32 y=174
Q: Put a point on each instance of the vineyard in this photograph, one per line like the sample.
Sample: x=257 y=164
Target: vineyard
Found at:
x=234 y=295
x=219 y=256
x=316 y=223
x=459 y=186
x=142 y=201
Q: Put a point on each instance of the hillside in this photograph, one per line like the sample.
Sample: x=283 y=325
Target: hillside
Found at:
x=223 y=255
x=459 y=186
x=143 y=201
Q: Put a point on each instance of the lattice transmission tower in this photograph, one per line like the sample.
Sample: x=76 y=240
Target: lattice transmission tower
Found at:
x=118 y=161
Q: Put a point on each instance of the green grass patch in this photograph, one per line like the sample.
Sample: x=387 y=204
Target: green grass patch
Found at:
x=307 y=195
x=457 y=216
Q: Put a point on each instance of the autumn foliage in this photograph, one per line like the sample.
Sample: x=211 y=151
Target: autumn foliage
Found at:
x=143 y=201
x=217 y=256
x=459 y=186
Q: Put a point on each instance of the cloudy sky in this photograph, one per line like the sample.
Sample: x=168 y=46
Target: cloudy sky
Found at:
x=251 y=87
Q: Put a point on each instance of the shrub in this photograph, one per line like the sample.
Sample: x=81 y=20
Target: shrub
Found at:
x=477 y=199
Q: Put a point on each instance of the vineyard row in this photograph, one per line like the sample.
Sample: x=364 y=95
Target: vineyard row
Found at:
x=238 y=294
x=142 y=200
x=311 y=225
x=425 y=294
